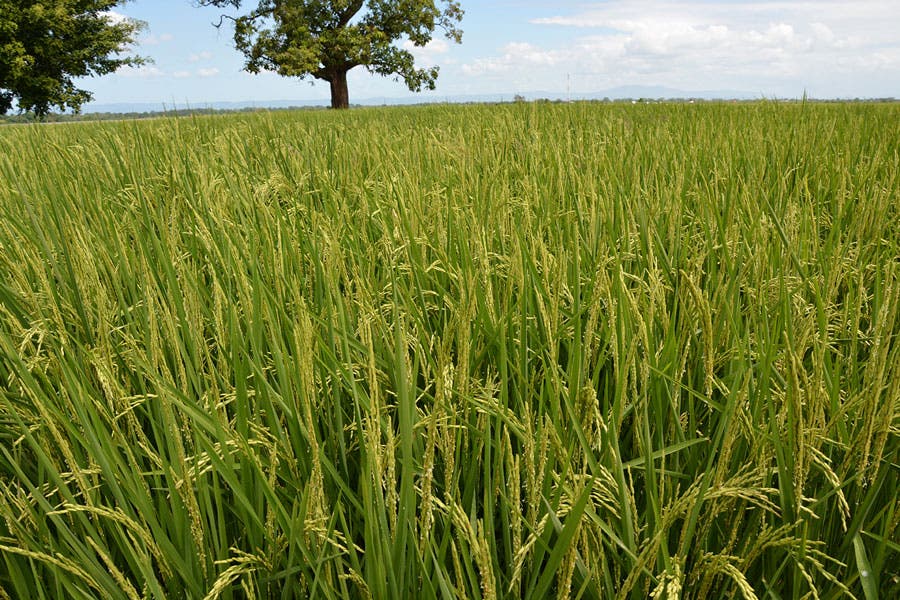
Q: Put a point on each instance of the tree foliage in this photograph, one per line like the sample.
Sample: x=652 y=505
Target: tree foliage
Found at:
x=45 y=45
x=325 y=39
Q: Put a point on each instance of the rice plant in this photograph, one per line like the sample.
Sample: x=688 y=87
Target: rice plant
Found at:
x=513 y=351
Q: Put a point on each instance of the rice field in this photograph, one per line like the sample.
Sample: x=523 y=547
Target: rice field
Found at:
x=516 y=351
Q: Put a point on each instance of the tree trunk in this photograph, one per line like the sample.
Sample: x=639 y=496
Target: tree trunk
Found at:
x=340 y=95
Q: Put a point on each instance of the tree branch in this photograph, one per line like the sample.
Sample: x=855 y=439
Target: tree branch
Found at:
x=348 y=14
x=222 y=18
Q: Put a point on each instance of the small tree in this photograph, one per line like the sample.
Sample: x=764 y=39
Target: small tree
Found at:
x=325 y=39
x=46 y=44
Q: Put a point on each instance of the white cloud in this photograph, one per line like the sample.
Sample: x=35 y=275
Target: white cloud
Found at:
x=822 y=32
x=516 y=56
x=428 y=54
x=200 y=56
x=200 y=73
x=156 y=40
x=708 y=45
x=872 y=13
x=140 y=72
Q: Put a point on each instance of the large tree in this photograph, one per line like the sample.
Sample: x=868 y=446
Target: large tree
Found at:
x=46 y=44
x=325 y=39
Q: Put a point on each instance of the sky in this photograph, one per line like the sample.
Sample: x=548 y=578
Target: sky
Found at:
x=773 y=48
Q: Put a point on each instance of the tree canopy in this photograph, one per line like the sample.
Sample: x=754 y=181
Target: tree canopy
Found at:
x=325 y=39
x=46 y=44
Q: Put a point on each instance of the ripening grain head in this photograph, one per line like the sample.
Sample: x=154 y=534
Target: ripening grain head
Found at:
x=534 y=350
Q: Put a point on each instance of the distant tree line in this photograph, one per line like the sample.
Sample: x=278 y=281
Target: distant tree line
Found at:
x=31 y=117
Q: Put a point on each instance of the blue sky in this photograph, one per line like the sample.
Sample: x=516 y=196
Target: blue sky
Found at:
x=828 y=48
